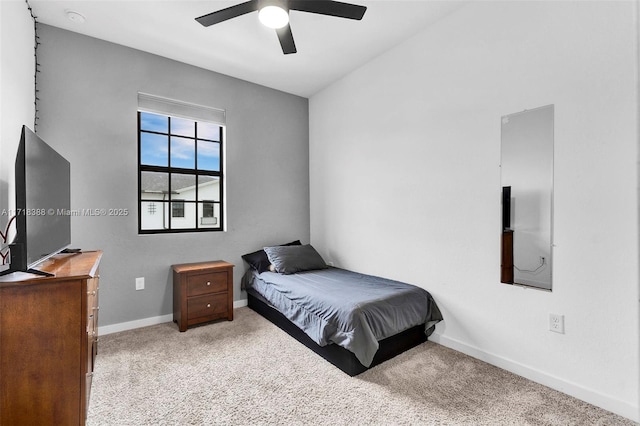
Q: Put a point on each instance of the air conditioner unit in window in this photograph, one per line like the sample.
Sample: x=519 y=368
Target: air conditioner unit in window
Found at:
x=208 y=221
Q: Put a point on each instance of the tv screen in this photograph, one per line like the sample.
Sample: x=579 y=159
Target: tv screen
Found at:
x=43 y=201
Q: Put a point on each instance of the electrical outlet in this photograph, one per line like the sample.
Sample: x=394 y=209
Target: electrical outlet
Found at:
x=556 y=323
x=140 y=283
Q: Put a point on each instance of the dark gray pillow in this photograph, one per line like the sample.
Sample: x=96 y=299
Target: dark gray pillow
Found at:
x=259 y=261
x=291 y=259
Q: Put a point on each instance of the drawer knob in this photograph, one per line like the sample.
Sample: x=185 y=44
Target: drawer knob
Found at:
x=208 y=282
x=208 y=305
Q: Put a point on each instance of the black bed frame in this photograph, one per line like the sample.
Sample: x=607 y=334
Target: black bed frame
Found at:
x=336 y=355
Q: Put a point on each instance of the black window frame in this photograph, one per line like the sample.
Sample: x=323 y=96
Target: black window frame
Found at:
x=170 y=171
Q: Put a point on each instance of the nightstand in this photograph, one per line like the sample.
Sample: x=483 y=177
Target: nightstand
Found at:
x=202 y=292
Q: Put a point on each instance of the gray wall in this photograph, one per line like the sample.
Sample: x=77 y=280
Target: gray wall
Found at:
x=88 y=92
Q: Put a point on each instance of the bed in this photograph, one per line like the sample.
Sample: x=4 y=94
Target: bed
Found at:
x=353 y=320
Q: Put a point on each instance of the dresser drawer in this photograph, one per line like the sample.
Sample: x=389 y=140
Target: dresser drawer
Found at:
x=204 y=283
x=207 y=306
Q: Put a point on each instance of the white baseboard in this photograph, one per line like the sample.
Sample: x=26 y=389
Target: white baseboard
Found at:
x=591 y=396
x=130 y=325
x=146 y=322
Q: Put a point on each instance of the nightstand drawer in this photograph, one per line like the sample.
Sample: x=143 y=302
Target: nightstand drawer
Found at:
x=210 y=282
x=207 y=306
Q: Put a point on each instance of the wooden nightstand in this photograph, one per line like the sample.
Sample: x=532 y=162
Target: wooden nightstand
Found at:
x=202 y=292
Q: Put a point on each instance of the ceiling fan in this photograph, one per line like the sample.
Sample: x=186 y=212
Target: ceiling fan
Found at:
x=275 y=14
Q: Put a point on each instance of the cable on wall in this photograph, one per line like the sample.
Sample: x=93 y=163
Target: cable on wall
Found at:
x=36 y=40
x=543 y=262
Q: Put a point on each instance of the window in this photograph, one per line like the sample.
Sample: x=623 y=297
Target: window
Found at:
x=208 y=214
x=180 y=176
x=207 y=209
x=177 y=209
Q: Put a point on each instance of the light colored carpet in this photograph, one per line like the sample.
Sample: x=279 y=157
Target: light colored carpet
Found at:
x=249 y=372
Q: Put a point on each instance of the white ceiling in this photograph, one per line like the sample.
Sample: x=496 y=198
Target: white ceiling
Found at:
x=328 y=47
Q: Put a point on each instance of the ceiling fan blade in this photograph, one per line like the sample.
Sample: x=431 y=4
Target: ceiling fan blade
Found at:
x=286 y=40
x=328 y=7
x=228 y=13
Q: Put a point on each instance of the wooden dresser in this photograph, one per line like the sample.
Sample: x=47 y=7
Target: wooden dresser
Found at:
x=48 y=341
x=202 y=292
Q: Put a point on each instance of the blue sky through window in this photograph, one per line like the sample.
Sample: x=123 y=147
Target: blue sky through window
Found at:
x=154 y=148
x=183 y=127
x=154 y=122
x=209 y=131
x=208 y=156
x=183 y=153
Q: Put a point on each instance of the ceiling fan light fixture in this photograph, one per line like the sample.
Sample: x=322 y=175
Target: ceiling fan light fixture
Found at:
x=273 y=17
x=275 y=14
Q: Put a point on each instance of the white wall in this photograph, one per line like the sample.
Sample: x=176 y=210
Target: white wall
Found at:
x=405 y=183
x=16 y=104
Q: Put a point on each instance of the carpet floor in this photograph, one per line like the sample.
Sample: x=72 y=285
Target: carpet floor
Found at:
x=249 y=372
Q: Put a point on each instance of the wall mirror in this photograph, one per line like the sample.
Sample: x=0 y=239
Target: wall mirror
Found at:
x=527 y=197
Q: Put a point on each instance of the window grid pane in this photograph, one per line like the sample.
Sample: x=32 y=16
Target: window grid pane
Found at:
x=183 y=186
x=183 y=153
x=154 y=185
x=209 y=215
x=154 y=149
x=180 y=174
x=154 y=122
x=208 y=155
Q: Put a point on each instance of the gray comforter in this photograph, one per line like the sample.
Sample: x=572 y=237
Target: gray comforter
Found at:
x=349 y=309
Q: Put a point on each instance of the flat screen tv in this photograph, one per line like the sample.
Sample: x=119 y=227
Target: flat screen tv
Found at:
x=43 y=201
